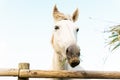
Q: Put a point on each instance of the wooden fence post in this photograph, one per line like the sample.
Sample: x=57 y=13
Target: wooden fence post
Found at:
x=23 y=66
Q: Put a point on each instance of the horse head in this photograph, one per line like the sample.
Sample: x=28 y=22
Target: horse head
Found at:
x=64 y=38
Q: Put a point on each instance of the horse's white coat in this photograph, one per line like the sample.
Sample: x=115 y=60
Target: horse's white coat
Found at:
x=63 y=36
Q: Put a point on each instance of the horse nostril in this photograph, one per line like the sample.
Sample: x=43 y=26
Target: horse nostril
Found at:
x=67 y=50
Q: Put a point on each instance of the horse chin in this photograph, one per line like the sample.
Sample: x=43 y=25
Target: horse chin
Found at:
x=74 y=62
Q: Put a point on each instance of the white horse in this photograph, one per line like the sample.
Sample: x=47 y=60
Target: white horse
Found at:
x=64 y=41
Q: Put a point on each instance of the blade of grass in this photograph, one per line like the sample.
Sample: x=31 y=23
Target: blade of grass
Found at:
x=116 y=46
x=114 y=35
x=113 y=41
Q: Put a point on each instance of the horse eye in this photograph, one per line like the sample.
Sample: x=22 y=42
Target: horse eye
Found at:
x=56 y=27
x=77 y=29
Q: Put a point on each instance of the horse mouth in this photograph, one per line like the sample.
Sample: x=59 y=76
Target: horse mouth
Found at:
x=74 y=62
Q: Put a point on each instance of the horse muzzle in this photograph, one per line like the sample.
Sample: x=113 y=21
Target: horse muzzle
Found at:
x=73 y=53
x=74 y=61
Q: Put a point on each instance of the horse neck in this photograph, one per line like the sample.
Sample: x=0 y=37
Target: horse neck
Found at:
x=59 y=62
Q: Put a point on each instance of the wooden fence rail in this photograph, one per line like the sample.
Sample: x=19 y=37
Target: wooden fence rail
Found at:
x=24 y=73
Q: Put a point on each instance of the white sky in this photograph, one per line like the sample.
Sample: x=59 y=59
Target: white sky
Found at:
x=26 y=27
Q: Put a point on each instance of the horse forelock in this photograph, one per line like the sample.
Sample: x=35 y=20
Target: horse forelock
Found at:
x=60 y=16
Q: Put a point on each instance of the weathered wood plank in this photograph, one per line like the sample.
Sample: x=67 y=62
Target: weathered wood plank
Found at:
x=23 y=66
x=70 y=74
x=9 y=72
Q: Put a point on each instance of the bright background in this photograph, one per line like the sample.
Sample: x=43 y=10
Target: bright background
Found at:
x=26 y=28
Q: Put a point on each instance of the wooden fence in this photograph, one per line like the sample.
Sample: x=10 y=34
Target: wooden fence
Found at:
x=24 y=73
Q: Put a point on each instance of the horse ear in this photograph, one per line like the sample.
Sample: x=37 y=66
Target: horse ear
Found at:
x=55 y=12
x=55 y=9
x=57 y=15
x=75 y=15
